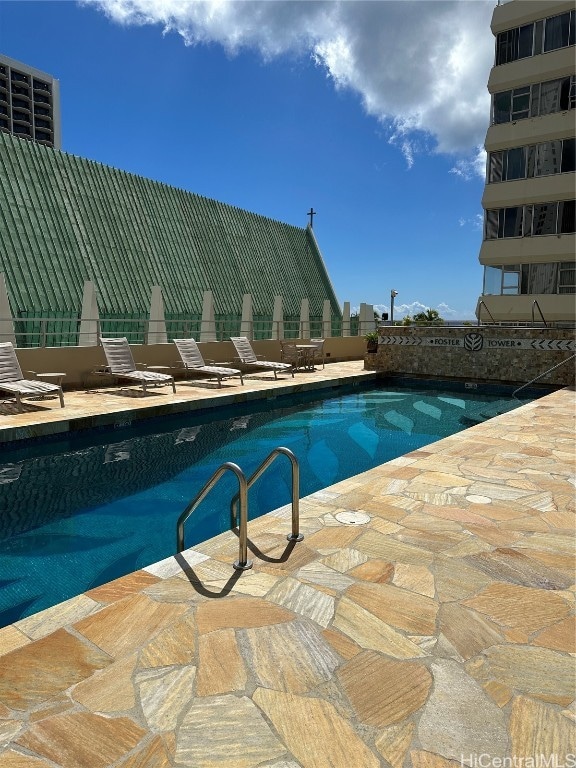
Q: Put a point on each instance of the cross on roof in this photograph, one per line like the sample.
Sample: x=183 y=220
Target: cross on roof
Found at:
x=312 y=213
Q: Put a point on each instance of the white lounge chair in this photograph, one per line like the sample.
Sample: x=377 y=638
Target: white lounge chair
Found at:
x=121 y=364
x=248 y=359
x=13 y=381
x=194 y=363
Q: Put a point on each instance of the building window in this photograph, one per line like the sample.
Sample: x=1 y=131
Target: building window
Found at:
x=529 y=279
x=566 y=277
x=544 y=159
x=556 y=218
x=534 y=100
x=532 y=39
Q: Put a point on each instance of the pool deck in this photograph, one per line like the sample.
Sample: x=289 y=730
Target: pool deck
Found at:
x=427 y=617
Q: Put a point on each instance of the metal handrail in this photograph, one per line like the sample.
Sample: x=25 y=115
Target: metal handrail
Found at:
x=535 y=304
x=272 y=456
x=482 y=303
x=566 y=360
x=242 y=564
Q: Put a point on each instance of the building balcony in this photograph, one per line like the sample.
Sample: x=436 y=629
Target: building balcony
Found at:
x=523 y=250
x=519 y=308
x=533 y=69
x=557 y=186
x=531 y=130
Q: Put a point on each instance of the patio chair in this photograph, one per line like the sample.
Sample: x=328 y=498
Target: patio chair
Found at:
x=192 y=360
x=248 y=359
x=318 y=353
x=289 y=353
x=12 y=380
x=121 y=364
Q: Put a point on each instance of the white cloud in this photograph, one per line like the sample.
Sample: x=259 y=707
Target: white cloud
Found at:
x=420 y=68
x=412 y=308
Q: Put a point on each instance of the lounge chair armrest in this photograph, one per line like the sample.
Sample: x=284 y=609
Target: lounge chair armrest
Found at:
x=141 y=366
x=30 y=374
x=101 y=369
x=210 y=362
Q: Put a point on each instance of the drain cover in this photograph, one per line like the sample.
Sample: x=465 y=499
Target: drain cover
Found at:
x=352 y=518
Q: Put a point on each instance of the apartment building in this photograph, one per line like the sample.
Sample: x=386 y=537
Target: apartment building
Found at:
x=529 y=246
x=29 y=103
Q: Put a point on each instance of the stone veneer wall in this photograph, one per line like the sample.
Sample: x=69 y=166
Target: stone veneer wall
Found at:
x=485 y=353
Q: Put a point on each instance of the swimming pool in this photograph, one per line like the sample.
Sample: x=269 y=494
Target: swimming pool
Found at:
x=78 y=512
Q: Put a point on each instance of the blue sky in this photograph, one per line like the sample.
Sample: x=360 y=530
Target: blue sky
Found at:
x=373 y=113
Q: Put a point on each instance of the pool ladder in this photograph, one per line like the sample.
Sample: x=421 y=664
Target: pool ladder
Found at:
x=243 y=564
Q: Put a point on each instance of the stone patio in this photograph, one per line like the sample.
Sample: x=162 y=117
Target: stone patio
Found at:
x=439 y=631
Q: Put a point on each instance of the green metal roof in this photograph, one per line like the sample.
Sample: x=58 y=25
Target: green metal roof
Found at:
x=65 y=219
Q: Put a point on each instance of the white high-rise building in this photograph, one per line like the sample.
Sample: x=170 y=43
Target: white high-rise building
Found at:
x=529 y=245
x=29 y=103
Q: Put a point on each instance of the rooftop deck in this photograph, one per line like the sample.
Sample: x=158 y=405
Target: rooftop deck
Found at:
x=426 y=618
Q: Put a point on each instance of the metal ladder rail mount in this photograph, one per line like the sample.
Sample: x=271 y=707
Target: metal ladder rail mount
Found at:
x=242 y=564
x=535 y=305
x=567 y=360
x=480 y=305
x=295 y=535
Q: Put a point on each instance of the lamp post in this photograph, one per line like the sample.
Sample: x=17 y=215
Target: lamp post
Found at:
x=393 y=295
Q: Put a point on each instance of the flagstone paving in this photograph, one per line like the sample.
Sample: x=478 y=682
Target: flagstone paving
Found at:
x=438 y=631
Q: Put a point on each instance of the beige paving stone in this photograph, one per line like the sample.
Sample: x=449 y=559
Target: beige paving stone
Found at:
x=304 y=600
x=56 y=705
x=344 y=560
x=519 y=607
x=370 y=632
x=12 y=759
x=442 y=479
x=496 y=536
x=556 y=543
x=155 y=754
x=9 y=730
x=456 y=582
x=423 y=521
x=538 y=729
x=331 y=743
x=401 y=608
x=174 y=645
x=538 y=672
x=559 y=637
x=341 y=536
x=499 y=693
x=108 y=691
x=416 y=578
x=225 y=732
x=82 y=740
x=393 y=743
x=459 y=718
x=164 y=693
x=175 y=589
x=12 y=638
x=509 y=564
x=120 y=588
x=172 y=566
x=36 y=672
x=255 y=583
x=462 y=516
x=435 y=542
x=290 y=657
x=220 y=665
x=469 y=632
x=377 y=571
x=377 y=545
x=422 y=759
x=323 y=576
x=45 y=622
x=125 y=625
x=341 y=644
x=239 y=612
x=384 y=691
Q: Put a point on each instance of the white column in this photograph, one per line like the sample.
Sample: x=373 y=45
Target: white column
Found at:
x=346 y=319
x=208 y=325
x=157 y=322
x=278 y=318
x=326 y=319
x=304 y=331
x=6 y=322
x=247 y=325
x=90 y=318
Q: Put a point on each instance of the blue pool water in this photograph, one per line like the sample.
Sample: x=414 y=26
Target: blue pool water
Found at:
x=81 y=511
